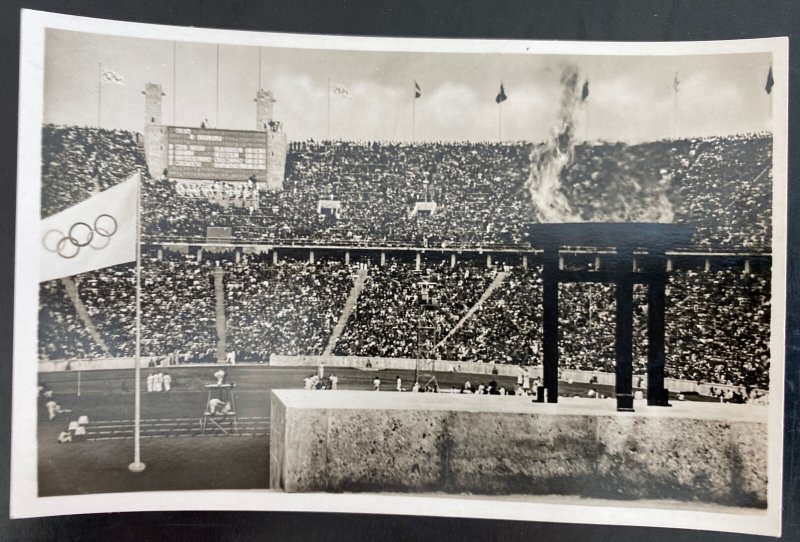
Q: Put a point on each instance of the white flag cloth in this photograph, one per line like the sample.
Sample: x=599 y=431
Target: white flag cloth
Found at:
x=96 y=233
x=110 y=77
x=339 y=90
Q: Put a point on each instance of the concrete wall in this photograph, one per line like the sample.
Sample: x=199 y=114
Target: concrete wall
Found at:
x=94 y=364
x=155 y=149
x=408 y=364
x=277 y=147
x=404 y=442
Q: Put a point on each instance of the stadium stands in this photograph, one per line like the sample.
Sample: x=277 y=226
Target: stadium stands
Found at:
x=78 y=161
x=717 y=321
x=289 y=308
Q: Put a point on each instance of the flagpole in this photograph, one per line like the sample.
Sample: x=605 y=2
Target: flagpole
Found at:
x=99 y=90
x=328 y=137
x=137 y=465
x=586 y=128
x=500 y=122
x=675 y=110
x=174 y=79
x=217 y=120
x=413 y=111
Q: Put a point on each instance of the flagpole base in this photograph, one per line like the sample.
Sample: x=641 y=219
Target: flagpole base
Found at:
x=136 y=466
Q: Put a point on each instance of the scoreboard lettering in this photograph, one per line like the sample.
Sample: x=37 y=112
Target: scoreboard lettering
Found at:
x=225 y=155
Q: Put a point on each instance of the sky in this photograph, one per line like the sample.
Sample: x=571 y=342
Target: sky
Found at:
x=631 y=98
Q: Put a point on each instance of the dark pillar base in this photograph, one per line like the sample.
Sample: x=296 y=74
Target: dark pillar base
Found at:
x=658 y=397
x=624 y=402
x=540 y=394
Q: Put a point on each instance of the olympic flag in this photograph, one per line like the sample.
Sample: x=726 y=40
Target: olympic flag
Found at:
x=96 y=233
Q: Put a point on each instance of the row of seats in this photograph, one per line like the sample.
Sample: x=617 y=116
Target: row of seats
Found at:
x=717 y=322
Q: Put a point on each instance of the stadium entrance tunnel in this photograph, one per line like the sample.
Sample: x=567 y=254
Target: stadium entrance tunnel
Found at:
x=633 y=253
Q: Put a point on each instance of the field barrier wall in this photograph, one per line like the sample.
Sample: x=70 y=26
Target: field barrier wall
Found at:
x=407 y=364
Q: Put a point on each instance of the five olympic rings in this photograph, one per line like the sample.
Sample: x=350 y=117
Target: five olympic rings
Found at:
x=80 y=235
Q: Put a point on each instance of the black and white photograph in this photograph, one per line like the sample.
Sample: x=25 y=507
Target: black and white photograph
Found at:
x=538 y=281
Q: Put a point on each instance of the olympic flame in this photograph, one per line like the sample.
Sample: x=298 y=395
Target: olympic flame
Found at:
x=623 y=194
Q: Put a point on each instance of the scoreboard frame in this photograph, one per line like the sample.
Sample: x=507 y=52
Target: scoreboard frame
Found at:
x=216 y=154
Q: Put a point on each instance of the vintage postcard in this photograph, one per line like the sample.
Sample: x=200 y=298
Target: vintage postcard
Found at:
x=539 y=281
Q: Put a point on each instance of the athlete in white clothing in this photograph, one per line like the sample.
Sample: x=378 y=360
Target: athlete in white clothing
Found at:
x=150 y=379
x=54 y=408
x=220 y=376
x=167 y=380
x=218 y=406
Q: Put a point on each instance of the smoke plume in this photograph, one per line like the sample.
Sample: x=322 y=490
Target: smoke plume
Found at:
x=615 y=189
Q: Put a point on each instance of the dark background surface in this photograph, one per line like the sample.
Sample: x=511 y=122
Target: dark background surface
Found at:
x=601 y=20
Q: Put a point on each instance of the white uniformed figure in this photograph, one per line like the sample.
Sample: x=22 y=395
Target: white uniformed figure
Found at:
x=307 y=383
x=415 y=387
x=526 y=381
x=321 y=370
x=150 y=379
x=220 y=376
x=519 y=377
x=591 y=393
x=54 y=408
x=334 y=381
x=64 y=436
x=376 y=384
x=399 y=384
x=218 y=406
x=158 y=381
x=167 y=380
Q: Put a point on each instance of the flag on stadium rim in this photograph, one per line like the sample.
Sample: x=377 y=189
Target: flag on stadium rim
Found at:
x=770 y=82
x=339 y=90
x=417 y=90
x=501 y=96
x=93 y=234
x=676 y=83
x=110 y=77
x=585 y=91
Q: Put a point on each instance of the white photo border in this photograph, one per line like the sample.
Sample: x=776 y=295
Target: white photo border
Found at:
x=24 y=501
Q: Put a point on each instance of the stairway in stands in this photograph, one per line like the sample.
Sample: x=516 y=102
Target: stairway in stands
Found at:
x=497 y=281
x=83 y=314
x=349 y=306
x=219 y=301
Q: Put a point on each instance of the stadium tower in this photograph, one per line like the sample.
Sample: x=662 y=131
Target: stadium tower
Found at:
x=213 y=154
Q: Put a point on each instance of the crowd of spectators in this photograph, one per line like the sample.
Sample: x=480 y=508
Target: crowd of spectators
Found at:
x=289 y=308
x=388 y=311
x=62 y=334
x=242 y=195
x=178 y=308
x=718 y=327
x=507 y=327
x=79 y=161
x=717 y=322
x=722 y=185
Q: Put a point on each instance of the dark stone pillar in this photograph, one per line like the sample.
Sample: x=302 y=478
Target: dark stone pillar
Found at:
x=656 y=301
x=624 y=332
x=550 y=323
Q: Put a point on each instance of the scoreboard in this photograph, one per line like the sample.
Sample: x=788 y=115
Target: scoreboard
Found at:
x=225 y=155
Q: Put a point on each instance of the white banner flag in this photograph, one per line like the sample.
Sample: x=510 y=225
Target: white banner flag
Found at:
x=340 y=91
x=110 y=77
x=96 y=233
